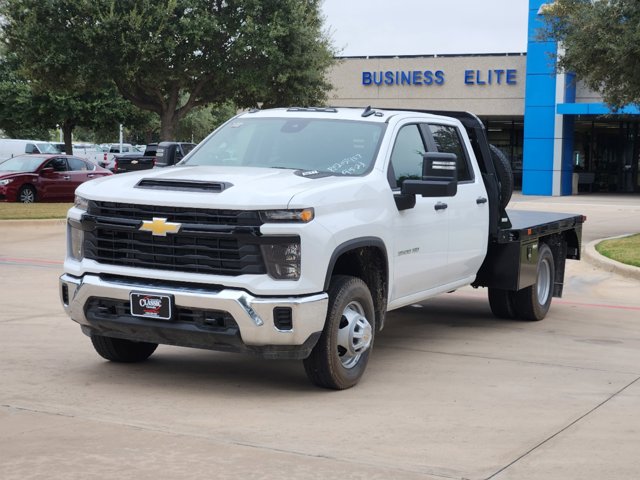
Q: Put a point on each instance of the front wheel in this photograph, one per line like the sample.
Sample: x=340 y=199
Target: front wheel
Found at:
x=341 y=355
x=120 y=350
x=27 y=194
x=532 y=303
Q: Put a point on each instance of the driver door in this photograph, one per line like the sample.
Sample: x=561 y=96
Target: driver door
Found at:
x=53 y=184
x=422 y=232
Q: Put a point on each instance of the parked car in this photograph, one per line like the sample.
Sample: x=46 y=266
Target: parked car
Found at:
x=54 y=178
x=163 y=154
x=10 y=147
x=108 y=160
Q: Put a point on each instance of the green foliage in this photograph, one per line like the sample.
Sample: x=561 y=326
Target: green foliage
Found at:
x=171 y=56
x=18 y=117
x=602 y=45
x=201 y=121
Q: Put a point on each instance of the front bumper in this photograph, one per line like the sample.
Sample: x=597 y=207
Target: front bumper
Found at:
x=229 y=319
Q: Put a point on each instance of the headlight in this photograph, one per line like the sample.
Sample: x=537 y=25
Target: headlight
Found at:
x=304 y=215
x=81 y=203
x=5 y=182
x=282 y=261
x=76 y=243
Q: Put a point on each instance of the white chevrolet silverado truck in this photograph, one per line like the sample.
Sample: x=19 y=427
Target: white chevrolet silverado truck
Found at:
x=289 y=233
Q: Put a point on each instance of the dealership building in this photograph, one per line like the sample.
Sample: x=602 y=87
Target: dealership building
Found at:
x=560 y=137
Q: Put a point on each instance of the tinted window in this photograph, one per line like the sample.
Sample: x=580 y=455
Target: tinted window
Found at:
x=30 y=148
x=448 y=140
x=187 y=147
x=58 y=164
x=77 y=164
x=406 y=158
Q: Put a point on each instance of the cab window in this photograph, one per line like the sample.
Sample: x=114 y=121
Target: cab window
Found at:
x=447 y=140
x=406 y=157
x=78 y=165
x=58 y=164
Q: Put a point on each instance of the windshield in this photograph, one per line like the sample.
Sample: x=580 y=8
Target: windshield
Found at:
x=326 y=146
x=45 y=147
x=23 y=163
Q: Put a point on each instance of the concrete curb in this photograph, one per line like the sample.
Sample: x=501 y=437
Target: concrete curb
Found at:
x=592 y=256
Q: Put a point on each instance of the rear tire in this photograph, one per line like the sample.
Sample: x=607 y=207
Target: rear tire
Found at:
x=340 y=357
x=532 y=303
x=123 y=351
x=502 y=303
x=504 y=173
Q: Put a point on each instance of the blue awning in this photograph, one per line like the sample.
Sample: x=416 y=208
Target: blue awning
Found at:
x=594 y=109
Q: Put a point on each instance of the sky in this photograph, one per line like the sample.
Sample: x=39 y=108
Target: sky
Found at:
x=426 y=27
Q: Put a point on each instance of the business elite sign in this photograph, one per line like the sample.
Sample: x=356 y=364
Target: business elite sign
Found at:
x=497 y=76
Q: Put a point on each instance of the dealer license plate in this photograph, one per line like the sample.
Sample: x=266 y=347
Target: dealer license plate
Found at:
x=159 y=307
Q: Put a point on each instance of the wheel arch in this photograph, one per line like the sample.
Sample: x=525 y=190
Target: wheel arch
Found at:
x=27 y=185
x=356 y=258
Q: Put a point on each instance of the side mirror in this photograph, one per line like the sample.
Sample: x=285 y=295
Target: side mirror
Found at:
x=439 y=177
x=47 y=171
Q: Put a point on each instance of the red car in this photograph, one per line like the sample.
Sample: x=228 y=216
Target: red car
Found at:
x=45 y=178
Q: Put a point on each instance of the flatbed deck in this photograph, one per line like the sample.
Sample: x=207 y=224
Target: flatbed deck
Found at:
x=526 y=225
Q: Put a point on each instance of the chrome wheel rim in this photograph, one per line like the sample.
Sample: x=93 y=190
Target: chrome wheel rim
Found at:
x=354 y=335
x=544 y=281
x=27 y=196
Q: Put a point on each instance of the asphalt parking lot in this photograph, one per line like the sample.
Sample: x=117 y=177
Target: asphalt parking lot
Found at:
x=450 y=392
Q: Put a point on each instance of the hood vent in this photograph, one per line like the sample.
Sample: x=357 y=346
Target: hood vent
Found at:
x=184 y=185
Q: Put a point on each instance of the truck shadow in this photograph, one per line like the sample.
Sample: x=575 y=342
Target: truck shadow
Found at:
x=426 y=327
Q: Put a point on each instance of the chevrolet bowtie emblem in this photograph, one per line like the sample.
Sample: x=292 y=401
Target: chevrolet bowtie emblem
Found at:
x=160 y=227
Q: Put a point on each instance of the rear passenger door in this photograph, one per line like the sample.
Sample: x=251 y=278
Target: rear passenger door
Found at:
x=79 y=171
x=468 y=210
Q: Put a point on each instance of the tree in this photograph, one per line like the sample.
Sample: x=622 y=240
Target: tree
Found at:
x=29 y=109
x=18 y=117
x=601 y=41
x=171 y=56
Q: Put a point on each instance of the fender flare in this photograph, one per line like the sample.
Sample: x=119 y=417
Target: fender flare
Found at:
x=351 y=245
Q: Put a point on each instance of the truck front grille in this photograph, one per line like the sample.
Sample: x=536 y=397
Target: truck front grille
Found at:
x=114 y=310
x=197 y=216
x=215 y=242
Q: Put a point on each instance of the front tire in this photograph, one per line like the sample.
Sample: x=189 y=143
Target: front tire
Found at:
x=532 y=303
x=122 y=351
x=340 y=357
x=27 y=194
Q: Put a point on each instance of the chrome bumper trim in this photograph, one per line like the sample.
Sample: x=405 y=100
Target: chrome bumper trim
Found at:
x=254 y=315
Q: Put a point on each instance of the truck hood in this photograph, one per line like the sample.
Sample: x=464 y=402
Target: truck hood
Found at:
x=245 y=188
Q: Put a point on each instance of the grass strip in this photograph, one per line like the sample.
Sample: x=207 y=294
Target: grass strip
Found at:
x=33 y=211
x=624 y=250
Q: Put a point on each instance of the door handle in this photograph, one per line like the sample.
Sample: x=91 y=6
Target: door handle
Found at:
x=440 y=206
x=66 y=177
x=91 y=175
x=481 y=200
